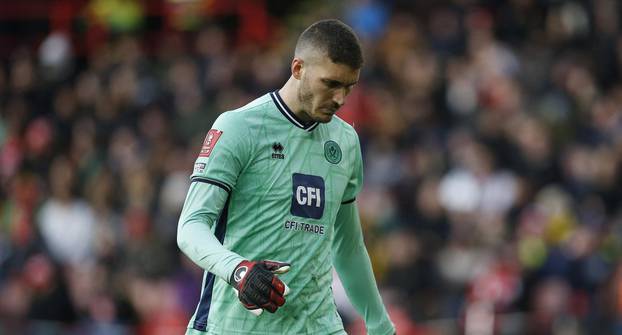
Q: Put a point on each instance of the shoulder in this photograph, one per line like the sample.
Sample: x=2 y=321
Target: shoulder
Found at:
x=346 y=130
x=246 y=115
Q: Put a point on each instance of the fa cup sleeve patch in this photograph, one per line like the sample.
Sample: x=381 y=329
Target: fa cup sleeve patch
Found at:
x=210 y=141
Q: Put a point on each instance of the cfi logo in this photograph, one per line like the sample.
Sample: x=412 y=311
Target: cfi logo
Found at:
x=308 y=194
x=277 y=149
x=240 y=273
x=332 y=152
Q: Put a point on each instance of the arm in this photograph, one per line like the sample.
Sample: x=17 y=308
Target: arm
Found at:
x=195 y=231
x=350 y=256
x=224 y=152
x=201 y=240
x=352 y=263
x=201 y=229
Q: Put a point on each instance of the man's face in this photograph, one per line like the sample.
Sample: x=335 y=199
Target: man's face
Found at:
x=323 y=88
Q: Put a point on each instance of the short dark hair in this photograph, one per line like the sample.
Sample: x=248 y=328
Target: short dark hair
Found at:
x=336 y=39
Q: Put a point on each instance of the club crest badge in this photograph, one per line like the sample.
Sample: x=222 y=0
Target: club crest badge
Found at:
x=332 y=152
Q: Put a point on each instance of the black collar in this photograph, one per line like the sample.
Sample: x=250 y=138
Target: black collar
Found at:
x=282 y=107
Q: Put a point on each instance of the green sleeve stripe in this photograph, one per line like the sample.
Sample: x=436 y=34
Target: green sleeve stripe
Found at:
x=348 y=202
x=213 y=182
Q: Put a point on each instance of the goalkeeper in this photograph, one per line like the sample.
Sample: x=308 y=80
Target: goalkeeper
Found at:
x=272 y=204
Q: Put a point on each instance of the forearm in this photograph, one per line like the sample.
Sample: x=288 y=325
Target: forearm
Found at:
x=352 y=263
x=195 y=235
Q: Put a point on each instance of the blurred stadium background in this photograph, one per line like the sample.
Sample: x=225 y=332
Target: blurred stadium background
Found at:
x=491 y=131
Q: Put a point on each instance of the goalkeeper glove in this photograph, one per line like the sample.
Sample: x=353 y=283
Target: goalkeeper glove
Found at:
x=257 y=286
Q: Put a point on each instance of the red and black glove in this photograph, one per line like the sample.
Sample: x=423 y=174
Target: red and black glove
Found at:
x=257 y=285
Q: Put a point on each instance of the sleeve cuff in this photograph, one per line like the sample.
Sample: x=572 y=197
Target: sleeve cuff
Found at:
x=348 y=201
x=211 y=181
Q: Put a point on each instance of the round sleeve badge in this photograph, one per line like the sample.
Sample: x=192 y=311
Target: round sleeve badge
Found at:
x=332 y=152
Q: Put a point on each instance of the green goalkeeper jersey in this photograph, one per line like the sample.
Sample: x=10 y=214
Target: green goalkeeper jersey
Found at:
x=266 y=186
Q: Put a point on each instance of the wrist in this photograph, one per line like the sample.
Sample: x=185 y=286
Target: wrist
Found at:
x=231 y=264
x=386 y=328
x=239 y=272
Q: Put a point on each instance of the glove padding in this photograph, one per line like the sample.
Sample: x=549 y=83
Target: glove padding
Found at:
x=258 y=287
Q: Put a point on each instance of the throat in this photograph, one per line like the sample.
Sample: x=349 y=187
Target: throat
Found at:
x=304 y=118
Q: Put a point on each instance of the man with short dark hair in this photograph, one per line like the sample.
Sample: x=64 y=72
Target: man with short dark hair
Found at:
x=277 y=179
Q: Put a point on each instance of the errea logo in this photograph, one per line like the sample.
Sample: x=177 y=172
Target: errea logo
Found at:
x=307 y=196
x=277 y=149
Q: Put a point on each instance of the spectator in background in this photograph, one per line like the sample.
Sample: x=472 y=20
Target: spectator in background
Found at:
x=67 y=223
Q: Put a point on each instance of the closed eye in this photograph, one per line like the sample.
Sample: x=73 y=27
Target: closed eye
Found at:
x=332 y=83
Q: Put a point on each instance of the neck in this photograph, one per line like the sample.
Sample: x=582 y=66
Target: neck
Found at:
x=289 y=94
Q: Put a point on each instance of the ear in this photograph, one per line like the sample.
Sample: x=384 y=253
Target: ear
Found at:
x=297 y=67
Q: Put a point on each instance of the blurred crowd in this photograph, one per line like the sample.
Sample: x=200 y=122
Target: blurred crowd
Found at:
x=492 y=142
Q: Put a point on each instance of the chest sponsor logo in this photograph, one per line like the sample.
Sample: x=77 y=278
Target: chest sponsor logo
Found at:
x=305 y=227
x=210 y=141
x=307 y=196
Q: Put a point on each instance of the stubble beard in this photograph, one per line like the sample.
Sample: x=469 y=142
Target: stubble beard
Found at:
x=305 y=98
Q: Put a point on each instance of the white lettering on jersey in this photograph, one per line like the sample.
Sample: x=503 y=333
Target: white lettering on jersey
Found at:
x=301 y=193
x=306 y=195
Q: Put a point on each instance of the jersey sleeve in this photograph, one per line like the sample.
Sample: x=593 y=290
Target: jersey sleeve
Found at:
x=198 y=234
x=225 y=151
x=223 y=155
x=356 y=179
x=353 y=266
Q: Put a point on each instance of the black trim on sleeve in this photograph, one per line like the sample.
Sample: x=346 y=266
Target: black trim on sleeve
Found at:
x=213 y=182
x=348 y=202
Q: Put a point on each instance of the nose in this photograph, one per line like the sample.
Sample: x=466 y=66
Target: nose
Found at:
x=339 y=97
